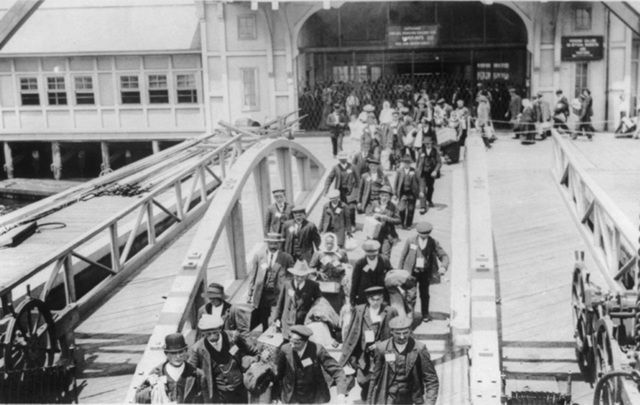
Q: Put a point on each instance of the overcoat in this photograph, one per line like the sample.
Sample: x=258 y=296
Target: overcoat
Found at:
x=336 y=220
x=399 y=182
x=309 y=238
x=364 y=190
x=192 y=378
x=258 y=272
x=411 y=250
x=361 y=280
x=275 y=219
x=293 y=305
x=346 y=178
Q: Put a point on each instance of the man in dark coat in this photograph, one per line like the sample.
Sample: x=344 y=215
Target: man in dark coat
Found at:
x=300 y=365
x=335 y=218
x=515 y=107
x=219 y=356
x=420 y=256
x=385 y=212
x=561 y=111
x=337 y=122
x=403 y=372
x=182 y=383
x=370 y=184
x=278 y=213
x=296 y=298
x=218 y=305
x=360 y=161
x=368 y=271
x=407 y=189
x=586 y=112
x=301 y=237
x=268 y=275
x=369 y=324
x=347 y=181
x=428 y=167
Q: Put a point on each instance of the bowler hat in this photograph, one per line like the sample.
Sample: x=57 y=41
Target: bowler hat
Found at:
x=333 y=193
x=174 y=342
x=209 y=322
x=300 y=269
x=424 y=227
x=214 y=290
x=301 y=331
x=400 y=322
x=371 y=245
x=274 y=237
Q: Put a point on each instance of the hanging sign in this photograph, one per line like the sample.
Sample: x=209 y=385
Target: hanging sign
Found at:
x=581 y=49
x=412 y=36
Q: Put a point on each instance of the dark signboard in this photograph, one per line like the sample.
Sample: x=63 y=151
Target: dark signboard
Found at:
x=581 y=49
x=412 y=36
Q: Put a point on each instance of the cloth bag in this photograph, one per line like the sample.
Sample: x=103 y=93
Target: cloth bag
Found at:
x=371 y=228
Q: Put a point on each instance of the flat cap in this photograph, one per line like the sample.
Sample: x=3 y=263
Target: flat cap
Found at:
x=299 y=208
x=371 y=245
x=343 y=155
x=400 y=322
x=424 y=227
x=301 y=330
x=386 y=189
x=209 y=322
x=373 y=161
x=277 y=190
x=407 y=159
x=375 y=290
x=333 y=193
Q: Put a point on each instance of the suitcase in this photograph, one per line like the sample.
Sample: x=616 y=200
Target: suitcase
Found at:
x=451 y=151
x=371 y=227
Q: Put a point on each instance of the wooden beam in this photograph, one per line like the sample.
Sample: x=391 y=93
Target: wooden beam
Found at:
x=15 y=17
x=235 y=240
x=56 y=164
x=283 y=157
x=106 y=160
x=262 y=181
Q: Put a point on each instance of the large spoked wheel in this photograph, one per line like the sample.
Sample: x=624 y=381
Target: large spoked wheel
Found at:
x=30 y=339
x=582 y=326
x=604 y=362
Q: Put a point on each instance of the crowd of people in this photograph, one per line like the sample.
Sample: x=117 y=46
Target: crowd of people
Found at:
x=307 y=292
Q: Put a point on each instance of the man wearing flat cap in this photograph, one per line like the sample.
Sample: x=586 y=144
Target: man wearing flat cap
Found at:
x=369 y=324
x=346 y=179
x=268 y=274
x=301 y=237
x=219 y=355
x=337 y=122
x=278 y=213
x=177 y=381
x=218 y=305
x=420 y=256
x=359 y=161
x=336 y=218
x=368 y=271
x=296 y=298
x=300 y=366
x=385 y=212
x=370 y=184
x=407 y=189
x=403 y=372
x=428 y=168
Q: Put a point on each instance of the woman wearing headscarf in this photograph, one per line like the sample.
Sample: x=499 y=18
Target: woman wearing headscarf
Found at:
x=386 y=114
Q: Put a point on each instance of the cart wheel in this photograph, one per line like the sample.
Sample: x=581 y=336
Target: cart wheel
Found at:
x=582 y=326
x=604 y=362
x=30 y=339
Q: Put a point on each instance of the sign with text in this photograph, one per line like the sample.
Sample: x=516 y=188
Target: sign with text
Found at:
x=412 y=36
x=581 y=49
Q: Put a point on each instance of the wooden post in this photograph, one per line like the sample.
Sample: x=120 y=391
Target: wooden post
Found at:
x=56 y=160
x=8 y=160
x=155 y=146
x=283 y=156
x=235 y=240
x=263 y=186
x=106 y=159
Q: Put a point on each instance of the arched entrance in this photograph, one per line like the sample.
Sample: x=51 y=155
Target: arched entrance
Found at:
x=444 y=47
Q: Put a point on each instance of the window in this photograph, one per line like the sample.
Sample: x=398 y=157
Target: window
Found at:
x=582 y=76
x=158 y=91
x=56 y=93
x=250 y=88
x=582 y=18
x=247 y=27
x=340 y=73
x=483 y=71
x=186 y=89
x=84 y=90
x=129 y=90
x=29 y=91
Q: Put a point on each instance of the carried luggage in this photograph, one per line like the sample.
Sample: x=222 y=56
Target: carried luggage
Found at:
x=450 y=151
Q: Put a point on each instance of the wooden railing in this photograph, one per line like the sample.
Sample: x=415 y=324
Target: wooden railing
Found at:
x=225 y=215
x=612 y=236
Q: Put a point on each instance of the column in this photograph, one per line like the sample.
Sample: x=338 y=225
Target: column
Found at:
x=105 y=167
x=8 y=160
x=56 y=163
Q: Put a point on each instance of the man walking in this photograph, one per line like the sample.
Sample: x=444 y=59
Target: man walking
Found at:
x=337 y=122
x=335 y=218
x=420 y=256
x=301 y=237
x=428 y=167
x=278 y=213
x=370 y=184
x=346 y=180
x=368 y=271
x=407 y=189
x=403 y=372
x=515 y=107
x=385 y=212
x=296 y=298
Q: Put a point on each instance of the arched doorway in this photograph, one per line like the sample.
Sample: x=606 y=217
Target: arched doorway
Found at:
x=447 y=48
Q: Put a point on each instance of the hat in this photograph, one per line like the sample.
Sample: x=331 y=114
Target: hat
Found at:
x=404 y=110
x=174 y=342
x=274 y=237
x=209 y=322
x=336 y=105
x=299 y=208
x=424 y=227
x=407 y=159
x=440 y=101
x=333 y=193
x=408 y=87
x=400 y=322
x=385 y=189
x=301 y=331
x=559 y=91
x=483 y=99
x=277 y=190
x=373 y=161
x=368 y=108
x=343 y=155
x=300 y=269
x=422 y=101
x=374 y=290
x=371 y=245
x=214 y=290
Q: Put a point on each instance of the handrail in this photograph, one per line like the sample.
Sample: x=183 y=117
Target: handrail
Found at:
x=611 y=233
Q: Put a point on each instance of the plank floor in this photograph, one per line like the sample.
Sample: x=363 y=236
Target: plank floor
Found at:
x=535 y=238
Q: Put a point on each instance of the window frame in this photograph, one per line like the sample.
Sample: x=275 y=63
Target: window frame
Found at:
x=59 y=94
x=29 y=92
x=160 y=95
x=256 y=89
x=84 y=92
x=123 y=89
x=579 y=24
x=581 y=79
x=247 y=36
x=193 y=90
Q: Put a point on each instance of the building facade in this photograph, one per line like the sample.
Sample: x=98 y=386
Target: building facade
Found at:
x=143 y=70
